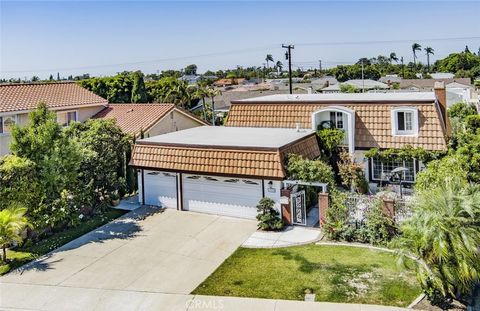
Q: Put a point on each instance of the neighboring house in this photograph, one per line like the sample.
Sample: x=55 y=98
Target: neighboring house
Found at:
x=366 y=84
x=390 y=79
x=191 y=79
x=428 y=84
x=370 y=120
x=442 y=75
x=68 y=100
x=153 y=119
x=323 y=82
x=218 y=170
x=462 y=91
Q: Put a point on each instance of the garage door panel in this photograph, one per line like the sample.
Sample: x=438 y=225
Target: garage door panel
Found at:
x=237 y=199
x=160 y=189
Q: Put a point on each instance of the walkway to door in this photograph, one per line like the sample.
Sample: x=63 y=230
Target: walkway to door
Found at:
x=290 y=236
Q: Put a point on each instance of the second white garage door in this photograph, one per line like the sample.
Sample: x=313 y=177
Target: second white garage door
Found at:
x=235 y=197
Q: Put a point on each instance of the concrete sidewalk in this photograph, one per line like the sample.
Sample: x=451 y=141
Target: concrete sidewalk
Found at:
x=290 y=236
x=46 y=298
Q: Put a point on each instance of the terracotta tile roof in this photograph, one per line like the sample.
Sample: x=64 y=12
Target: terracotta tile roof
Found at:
x=372 y=122
x=132 y=118
x=26 y=96
x=253 y=162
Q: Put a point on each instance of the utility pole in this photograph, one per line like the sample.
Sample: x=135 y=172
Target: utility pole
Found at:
x=320 y=65
x=403 y=68
x=288 y=56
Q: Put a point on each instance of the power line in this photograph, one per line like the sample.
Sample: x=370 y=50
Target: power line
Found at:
x=383 y=41
x=288 y=55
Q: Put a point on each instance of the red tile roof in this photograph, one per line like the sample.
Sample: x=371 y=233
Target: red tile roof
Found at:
x=132 y=118
x=57 y=95
x=214 y=160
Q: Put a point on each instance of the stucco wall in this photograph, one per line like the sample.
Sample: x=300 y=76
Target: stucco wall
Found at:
x=174 y=121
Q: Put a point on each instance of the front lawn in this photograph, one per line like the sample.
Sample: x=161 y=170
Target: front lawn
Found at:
x=24 y=254
x=333 y=273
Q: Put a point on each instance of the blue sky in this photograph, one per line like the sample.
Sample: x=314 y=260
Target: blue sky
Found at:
x=104 y=37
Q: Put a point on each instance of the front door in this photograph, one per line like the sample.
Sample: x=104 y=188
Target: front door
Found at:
x=299 y=208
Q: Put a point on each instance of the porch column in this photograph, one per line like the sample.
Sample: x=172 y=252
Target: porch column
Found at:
x=323 y=203
x=286 y=208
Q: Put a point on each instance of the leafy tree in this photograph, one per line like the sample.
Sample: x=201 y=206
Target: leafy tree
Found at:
x=428 y=51
x=268 y=216
x=415 y=47
x=348 y=88
x=12 y=224
x=56 y=160
x=350 y=171
x=170 y=90
x=438 y=172
x=461 y=110
x=443 y=235
x=103 y=165
x=191 y=69
x=139 y=94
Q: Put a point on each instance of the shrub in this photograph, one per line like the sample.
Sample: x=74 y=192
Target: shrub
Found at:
x=440 y=171
x=268 y=217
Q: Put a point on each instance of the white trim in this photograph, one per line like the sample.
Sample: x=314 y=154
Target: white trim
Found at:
x=381 y=173
x=350 y=123
x=73 y=107
x=394 y=121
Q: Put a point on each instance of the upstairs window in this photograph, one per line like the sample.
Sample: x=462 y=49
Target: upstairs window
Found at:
x=404 y=121
x=337 y=119
x=64 y=118
x=7 y=123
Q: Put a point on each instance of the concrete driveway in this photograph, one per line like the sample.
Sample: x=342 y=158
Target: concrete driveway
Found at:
x=145 y=252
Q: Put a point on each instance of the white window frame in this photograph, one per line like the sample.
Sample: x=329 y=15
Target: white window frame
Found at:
x=66 y=112
x=382 y=174
x=415 y=121
x=15 y=117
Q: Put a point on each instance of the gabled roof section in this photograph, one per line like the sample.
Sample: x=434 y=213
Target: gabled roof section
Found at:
x=217 y=158
x=132 y=118
x=23 y=97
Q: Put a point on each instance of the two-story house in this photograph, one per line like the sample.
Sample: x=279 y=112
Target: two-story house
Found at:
x=369 y=120
x=69 y=101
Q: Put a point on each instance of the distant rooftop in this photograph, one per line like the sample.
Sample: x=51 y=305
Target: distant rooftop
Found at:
x=220 y=136
x=350 y=97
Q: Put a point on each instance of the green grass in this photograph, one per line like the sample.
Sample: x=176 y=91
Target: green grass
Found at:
x=24 y=254
x=333 y=273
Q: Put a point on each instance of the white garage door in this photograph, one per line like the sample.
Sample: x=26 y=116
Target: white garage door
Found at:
x=160 y=189
x=235 y=197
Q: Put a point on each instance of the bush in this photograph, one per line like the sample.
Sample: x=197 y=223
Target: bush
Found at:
x=268 y=217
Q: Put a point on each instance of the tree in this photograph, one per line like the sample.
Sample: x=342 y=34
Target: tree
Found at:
x=56 y=160
x=202 y=92
x=467 y=50
x=170 y=90
x=393 y=57
x=12 y=224
x=139 y=93
x=212 y=93
x=443 y=235
x=415 y=47
x=35 y=78
x=279 y=66
x=268 y=217
x=191 y=69
x=50 y=78
x=269 y=58
x=428 y=51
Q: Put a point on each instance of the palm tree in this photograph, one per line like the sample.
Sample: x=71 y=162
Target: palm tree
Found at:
x=415 y=47
x=201 y=93
x=428 y=51
x=279 y=66
x=269 y=58
x=393 y=57
x=212 y=92
x=12 y=223
x=443 y=235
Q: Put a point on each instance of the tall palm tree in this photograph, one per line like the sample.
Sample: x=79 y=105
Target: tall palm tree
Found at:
x=443 y=235
x=428 y=51
x=12 y=223
x=279 y=66
x=201 y=93
x=212 y=92
x=393 y=57
x=269 y=58
x=415 y=47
